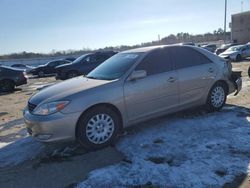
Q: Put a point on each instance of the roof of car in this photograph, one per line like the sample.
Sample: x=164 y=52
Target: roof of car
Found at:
x=151 y=48
x=144 y=49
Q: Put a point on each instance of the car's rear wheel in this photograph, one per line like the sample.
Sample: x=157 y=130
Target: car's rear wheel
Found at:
x=216 y=98
x=7 y=85
x=72 y=74
x=41 y=74
x=98 y=127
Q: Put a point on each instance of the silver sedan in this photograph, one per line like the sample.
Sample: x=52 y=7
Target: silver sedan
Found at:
x=128 y=88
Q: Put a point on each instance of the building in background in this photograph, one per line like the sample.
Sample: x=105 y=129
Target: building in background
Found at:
x=241 y=27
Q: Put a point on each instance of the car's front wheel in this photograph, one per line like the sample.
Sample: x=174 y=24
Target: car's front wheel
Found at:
x=217 y=97
x=98 y=127
x=7 y=85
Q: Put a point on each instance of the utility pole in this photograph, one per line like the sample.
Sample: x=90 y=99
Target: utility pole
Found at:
x=241 y=6
x=159 y=38
x=225 y=22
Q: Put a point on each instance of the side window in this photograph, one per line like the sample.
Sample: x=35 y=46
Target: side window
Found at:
x=156 y=62
x=52 y=64
x=91 y=59
x=184 y=57
x=63 y=62
x=101 y=58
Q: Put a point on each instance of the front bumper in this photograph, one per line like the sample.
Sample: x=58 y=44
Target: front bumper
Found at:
x=54 y=127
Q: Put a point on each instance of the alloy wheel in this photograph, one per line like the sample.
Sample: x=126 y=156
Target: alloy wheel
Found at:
x=100 y=128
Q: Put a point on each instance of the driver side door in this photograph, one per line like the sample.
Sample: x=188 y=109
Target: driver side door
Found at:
x=155 y=93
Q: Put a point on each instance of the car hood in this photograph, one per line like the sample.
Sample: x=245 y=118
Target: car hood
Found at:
x=13 y=69
x=228 y=53
x=62 y=90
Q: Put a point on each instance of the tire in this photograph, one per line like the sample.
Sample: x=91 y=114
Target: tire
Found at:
x=7 y=86
x=249 y=72
x=72 y=74
x=41 y=74
x=216 y=98
x=238 y=58
x=93 y=133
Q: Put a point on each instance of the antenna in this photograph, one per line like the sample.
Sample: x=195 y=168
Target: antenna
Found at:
x=241 y=6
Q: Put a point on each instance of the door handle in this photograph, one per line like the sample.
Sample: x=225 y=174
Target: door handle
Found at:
x=210 y=70
x=171 y=79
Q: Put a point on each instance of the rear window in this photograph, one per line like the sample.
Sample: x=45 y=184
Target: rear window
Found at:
x=184 y=57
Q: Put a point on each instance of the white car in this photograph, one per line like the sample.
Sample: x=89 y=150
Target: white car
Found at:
x=236 y=53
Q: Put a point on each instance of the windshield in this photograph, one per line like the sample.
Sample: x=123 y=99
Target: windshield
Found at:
x=79 y=59
x=114 y=67
x=235 y=48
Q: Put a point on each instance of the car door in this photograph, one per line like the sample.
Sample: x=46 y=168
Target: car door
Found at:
x=195 y=73
x=50 y=69
x=88 y=64
x=246 y=52
x=155 y=93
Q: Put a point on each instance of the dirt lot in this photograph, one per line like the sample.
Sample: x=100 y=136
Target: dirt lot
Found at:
x=75 y=161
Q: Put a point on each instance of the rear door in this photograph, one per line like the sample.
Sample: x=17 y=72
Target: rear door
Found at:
x=155 y=93
x=195 y=72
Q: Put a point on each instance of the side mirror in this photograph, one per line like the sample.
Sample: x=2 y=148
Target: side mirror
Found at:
x=137 y=75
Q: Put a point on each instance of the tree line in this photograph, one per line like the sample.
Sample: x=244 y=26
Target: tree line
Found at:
x=216 y=35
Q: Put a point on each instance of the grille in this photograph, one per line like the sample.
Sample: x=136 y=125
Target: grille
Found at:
x=31 y=107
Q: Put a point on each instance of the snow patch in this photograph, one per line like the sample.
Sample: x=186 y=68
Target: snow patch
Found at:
x=204 y=151
x=19 y=151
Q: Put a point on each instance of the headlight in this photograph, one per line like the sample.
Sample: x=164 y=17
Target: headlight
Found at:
x=50 y=108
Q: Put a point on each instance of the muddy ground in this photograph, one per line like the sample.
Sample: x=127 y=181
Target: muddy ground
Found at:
x=51 y=169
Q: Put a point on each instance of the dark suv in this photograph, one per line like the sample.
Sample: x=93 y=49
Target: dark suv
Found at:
x=82 y=65
x=11 y=77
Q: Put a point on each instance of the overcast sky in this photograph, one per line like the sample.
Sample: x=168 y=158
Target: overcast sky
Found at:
x=43 y=25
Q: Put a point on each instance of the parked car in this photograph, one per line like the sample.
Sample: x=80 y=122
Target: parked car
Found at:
x=224 y=47
x=82 y=65
x=11 y=77
x=210 y=47
x=48 y=68
x=236 y=53
x=130 y=87
x=23 y=67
